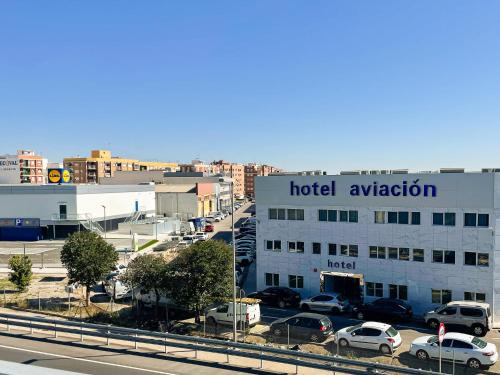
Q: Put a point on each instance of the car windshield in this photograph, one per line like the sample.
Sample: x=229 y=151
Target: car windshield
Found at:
x=391 y=331
x=479 y=343
x=432 y=340
x=350 y=329
x=442 y=307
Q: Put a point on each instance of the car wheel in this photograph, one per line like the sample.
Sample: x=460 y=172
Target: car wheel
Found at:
x=281 y=304
x=335 y=310
x=306 y=307
x=343 y=343
x=385 y=349
x=473 y=363
x=314 y=338
x=360 y=315
x=277 y=332
x=433 y=323
x=422 y=355
x=211 y=321
x=478 y=330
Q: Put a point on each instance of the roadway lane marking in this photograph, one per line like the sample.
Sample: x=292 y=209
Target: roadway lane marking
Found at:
x=86 y=360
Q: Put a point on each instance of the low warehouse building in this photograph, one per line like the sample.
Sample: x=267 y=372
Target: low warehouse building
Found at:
x=63 y=209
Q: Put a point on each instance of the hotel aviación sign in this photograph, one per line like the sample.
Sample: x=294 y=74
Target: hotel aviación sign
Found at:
x=406 y=188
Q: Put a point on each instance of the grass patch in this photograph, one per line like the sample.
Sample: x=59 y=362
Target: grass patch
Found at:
x=6 y=284
x=147 y=244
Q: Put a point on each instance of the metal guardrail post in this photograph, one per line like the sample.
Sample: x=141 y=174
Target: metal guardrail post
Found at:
x=135 y=341
x=8 y=326
x=55 y=330
x=261 y=360
x=81 y=331
x=196 y=352
x=107 y=336
x=31 y=328
x=166 y=346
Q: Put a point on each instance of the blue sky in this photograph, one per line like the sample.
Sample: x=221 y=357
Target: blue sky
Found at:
x=300 y=84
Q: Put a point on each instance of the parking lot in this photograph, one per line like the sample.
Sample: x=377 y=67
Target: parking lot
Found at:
x=408 y=331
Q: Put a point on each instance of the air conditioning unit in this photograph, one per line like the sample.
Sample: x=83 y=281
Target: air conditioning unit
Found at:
x=490 y=170
x=342 y=173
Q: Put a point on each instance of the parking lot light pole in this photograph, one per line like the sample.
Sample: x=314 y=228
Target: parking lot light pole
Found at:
x=104 y=208
x=234 y=262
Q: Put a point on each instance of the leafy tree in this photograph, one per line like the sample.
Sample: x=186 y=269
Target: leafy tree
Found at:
x=21 y=271
x=152 y=273
x=203 y=275
x=88 y=258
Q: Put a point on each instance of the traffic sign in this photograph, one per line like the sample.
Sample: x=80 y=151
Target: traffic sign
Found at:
x=441 y=332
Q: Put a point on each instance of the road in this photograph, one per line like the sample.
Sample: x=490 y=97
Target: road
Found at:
x=98 y=362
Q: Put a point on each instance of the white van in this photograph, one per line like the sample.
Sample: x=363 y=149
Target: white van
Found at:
x=247 y=312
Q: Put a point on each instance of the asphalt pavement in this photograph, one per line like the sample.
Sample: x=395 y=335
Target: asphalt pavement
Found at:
x=98 y=361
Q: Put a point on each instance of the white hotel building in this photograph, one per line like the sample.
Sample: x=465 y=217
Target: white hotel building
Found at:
x=427 y=238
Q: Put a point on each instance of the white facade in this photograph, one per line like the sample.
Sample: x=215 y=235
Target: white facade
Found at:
x=457 y=193
x=81 y=201
x=9 y=169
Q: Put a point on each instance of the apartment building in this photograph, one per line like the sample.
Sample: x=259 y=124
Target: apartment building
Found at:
x=236 y=172
x=102 y=164
x=427 y=238
x=25 y=167
x=251 y=171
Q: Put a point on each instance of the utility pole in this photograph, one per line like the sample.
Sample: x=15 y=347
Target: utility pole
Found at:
x=234 y=261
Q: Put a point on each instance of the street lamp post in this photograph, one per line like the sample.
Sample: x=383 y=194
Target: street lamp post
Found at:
x=104 y=207
x=234 y=261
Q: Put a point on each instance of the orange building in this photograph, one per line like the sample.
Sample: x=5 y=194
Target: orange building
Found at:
x=236 y=172
x=101 y=164
x=23 y=168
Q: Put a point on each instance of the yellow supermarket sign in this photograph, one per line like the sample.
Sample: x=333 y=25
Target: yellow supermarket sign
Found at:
x=59 y=176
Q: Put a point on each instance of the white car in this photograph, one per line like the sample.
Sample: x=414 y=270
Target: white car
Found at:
x=370 y=335
x=467 y=349
x=243 y=258
x=201 y=236
x=329 y=302
x=212 y=218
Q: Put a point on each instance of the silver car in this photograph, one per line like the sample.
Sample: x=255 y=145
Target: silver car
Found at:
x=331 y=302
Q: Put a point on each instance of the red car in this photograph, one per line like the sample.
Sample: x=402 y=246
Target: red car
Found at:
x=208 y=228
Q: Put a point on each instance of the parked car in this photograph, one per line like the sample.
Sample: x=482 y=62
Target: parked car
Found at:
x=331 y=302
x=247 y=312
x=308 y=326
x=201 y=236
x=278 y=296
x=115 y=288
x=384 y=309
x=460 y=347
x=208 y=228
x=243 y=258
x=190 y=239
x=212 y=218
x=370 y=335
x=474 y=316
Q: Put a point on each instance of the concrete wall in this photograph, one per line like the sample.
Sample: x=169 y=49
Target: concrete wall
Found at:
x=182 y=205
x=457 y=193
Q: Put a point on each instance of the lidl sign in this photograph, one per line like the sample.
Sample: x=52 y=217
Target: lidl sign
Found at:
x=59 y=176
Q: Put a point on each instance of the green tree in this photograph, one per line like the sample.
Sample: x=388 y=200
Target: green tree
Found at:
x=88 y=258
x=21 y=271
x=203 y=275
x=151 y=273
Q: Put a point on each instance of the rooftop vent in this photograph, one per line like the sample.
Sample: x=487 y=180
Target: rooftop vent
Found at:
x=399 y=171
x=452 y=170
